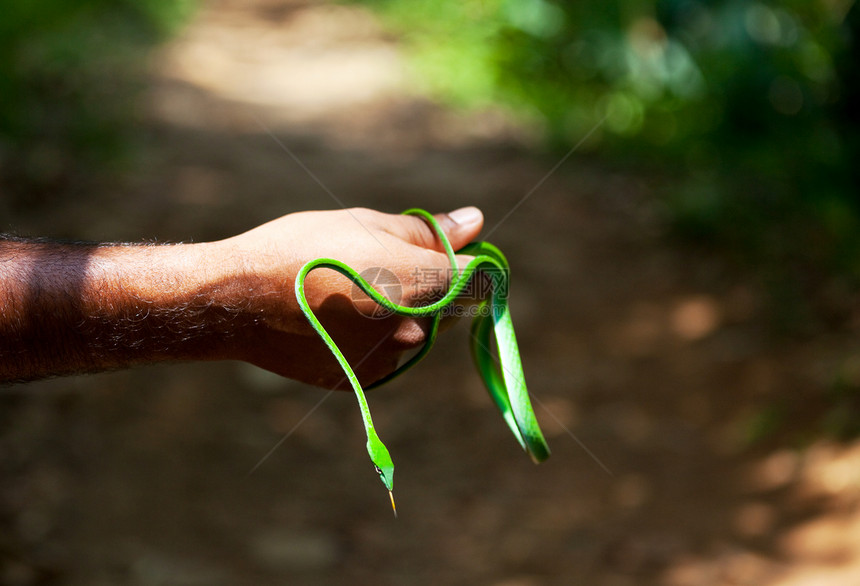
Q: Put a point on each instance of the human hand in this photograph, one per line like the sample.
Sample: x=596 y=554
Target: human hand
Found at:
x=262 y=265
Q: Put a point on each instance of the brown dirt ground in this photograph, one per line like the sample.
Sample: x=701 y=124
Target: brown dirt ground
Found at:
x=649 y=362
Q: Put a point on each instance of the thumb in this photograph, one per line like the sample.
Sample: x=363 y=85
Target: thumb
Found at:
x=460 y=226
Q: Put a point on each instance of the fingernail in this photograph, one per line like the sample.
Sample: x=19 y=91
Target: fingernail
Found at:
x=466 y=216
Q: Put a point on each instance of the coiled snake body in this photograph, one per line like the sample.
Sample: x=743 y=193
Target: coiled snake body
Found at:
x=504 y=379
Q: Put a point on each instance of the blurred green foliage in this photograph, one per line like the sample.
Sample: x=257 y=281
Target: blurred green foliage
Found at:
x=744 y=106
x=68 y=74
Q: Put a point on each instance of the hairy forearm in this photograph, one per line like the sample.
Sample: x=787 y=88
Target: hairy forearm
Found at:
x=74 y=308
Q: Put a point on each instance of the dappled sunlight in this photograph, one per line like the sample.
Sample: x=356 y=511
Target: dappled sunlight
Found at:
x=315 y=58
x=832 y=469
x=773 y=472
x=308 y=67
x=695 y=317
x=648 y=327
x=731 y=566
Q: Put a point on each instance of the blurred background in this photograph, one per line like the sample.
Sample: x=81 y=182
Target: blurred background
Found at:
x=673 y=181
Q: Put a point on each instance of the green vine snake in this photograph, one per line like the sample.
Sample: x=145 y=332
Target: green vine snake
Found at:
x=504 y=380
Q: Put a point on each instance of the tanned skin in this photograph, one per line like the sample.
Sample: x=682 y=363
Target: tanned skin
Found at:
x=71 y=308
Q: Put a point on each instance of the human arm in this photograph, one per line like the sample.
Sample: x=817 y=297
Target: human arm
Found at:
x=74 y=308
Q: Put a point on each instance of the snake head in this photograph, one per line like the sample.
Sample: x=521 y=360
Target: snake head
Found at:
x=386 y=475
x=382 y=462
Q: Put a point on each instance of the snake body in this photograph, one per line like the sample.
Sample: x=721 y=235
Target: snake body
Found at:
x=503 y=378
